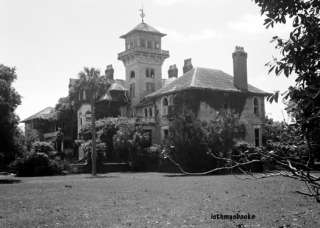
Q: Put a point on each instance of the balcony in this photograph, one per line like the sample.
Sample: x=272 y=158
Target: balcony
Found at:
x=50 y=135
x=141 y=50
x=145 y=120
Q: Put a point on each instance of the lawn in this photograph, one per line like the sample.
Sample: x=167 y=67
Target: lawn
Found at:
x=154 y=200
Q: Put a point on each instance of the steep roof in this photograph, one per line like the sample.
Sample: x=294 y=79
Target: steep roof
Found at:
x=204 y=78
x=143 y=27
x=48 y=113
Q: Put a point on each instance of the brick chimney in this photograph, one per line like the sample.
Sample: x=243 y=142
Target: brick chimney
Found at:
x=240 y=79
x=109 y=72
x=173 y=71
x=187 y=65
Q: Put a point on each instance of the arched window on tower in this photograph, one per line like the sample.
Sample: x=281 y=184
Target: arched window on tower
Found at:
x=132 y=74
x=165 y=105
x=256 y=106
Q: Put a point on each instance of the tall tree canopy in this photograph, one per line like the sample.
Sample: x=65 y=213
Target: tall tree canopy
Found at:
x=9 y=100
x=301 y=57
x=93 y=86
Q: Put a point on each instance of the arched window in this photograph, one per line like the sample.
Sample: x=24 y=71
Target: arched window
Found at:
x=152 y=73
x=256 y=106
x=132 y=74
x=132 y=90
x=165 y=105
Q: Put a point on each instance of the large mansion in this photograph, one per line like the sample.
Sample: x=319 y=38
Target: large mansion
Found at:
x=149 y=99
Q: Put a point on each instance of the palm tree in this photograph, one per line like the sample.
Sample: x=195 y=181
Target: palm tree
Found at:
x=90 y=80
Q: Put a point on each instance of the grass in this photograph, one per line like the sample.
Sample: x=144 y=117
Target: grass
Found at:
x=154 y=200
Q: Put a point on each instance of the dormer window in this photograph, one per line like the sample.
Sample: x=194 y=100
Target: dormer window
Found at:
x=256 y=106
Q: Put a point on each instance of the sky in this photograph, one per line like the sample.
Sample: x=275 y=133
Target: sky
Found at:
x=50 y=41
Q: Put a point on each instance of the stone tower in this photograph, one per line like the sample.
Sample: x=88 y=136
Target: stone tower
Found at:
x=143 y=59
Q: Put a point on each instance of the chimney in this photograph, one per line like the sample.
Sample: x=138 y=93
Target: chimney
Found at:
x=240 y=68
x=109 y=72
x=187 y=65
x=173 y=71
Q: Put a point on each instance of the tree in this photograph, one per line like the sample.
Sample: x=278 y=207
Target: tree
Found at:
x=67 y=117
x=195 y=141
x=94 y=85
x=9 y=100
x=300 y=57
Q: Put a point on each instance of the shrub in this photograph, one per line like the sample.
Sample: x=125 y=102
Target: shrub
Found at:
x=35 y=164
x=42 y=147
x=194 y=140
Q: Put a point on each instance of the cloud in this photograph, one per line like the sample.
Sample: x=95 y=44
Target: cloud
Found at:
x=173 y=2
x=204 y=34
x=253 y=25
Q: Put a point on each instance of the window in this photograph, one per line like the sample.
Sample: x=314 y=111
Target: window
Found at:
x=152 y=73
x=132 y=74
x=157 y=45
x=145 y=112
x=256 y=106
x=150 y=87
x=149 y=73
x=149 y=44
x=257 y=136
x=150 y=112
x=165 y=133
x=84 y=95
x=131 y=44
x=165 y=106
x=142 y=43
x=132 y=90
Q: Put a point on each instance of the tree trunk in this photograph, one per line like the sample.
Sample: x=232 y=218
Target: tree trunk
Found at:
x=93 y=133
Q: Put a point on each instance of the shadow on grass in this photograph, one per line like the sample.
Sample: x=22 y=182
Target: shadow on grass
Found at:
x=9 y=181
x=101 y=177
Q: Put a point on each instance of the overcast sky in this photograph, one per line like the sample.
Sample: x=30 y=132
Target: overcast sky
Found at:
x=50 y=41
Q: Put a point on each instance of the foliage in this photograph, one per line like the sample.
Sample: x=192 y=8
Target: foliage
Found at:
x=194 y=140
x=42 y=147
x=66 y=117
x=190 y=100
x=35 y=164
x=9 y=100
x=108 y=131
x=300 y=56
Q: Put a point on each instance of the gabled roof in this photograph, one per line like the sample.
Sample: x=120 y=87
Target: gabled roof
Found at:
x=48 y=113
x=143 y=27
x=204 y=78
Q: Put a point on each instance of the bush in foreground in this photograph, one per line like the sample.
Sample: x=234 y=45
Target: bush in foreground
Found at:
x=35 y=164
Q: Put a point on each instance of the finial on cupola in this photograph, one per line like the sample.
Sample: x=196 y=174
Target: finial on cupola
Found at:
x=142 y=14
